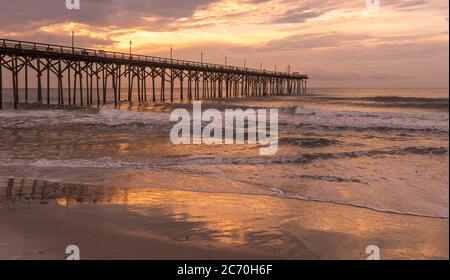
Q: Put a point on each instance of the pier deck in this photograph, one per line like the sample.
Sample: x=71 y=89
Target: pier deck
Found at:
x=82 y=74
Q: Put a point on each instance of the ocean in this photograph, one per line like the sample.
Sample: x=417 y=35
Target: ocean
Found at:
x=384 y=151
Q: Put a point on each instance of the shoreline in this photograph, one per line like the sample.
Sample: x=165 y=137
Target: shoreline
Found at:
x=170 y=224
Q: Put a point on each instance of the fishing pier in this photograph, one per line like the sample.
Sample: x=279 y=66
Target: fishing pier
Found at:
x=85 y=76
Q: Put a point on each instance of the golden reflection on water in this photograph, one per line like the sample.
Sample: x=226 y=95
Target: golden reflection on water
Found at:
x=123 y=148
x=287 y=228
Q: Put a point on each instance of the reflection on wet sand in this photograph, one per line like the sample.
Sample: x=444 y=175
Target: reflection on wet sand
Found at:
x=278 y=227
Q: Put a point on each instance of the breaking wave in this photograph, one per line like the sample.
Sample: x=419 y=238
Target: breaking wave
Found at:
x=315 y=117
x=107 y=162
x=296 y=116
x=102 y=117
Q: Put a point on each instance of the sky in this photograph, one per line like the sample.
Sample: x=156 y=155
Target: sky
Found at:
x=338 y=43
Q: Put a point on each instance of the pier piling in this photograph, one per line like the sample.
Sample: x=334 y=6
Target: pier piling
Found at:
x=71 y=67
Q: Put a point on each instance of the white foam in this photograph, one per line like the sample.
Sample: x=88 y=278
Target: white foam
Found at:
x=105 y=116
x=358 y=119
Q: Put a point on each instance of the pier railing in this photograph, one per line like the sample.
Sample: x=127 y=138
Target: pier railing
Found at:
x=61 y=49
x=80 y=73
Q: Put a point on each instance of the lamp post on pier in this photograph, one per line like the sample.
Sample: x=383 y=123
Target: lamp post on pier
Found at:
x=73 y=41
x=131 y=42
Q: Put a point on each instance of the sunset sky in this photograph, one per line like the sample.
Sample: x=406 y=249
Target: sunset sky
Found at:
x=338 y=43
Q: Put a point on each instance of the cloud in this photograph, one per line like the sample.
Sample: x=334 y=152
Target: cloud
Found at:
x=371 y=46
x=23 y=15
x=317 y=40
x=403 y=39
x=305 y=10
x=298 y=16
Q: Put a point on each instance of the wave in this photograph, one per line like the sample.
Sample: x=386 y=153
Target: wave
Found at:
x=281 y=194
x=297 y=116
x=387 y=98
x=102 y=117
x=158 y=163
x=369 y=207
x=307 y=142
x=327 y=118
x=420 y=103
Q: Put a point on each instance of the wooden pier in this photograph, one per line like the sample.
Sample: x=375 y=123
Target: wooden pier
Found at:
x=83 y=77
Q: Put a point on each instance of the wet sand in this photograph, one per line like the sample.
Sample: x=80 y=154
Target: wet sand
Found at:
x=44 y=234
x=39 y=219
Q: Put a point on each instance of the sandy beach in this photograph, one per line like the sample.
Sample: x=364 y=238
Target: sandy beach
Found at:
x=111 y=223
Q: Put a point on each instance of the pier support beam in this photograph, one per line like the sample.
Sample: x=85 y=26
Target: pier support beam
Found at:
x=56 y=62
